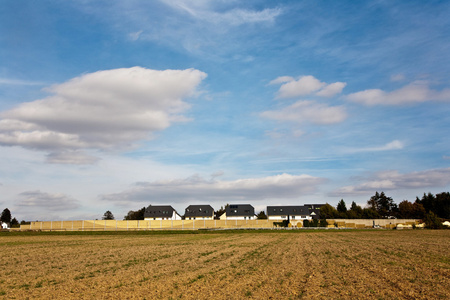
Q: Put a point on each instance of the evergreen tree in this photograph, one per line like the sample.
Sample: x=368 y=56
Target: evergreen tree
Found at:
x=261 y=216
x=6 y=216
x=341 y=207
x=108 y=215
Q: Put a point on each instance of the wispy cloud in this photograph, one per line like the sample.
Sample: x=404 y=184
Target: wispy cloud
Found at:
x=205 y=11
x=394 y=145
x=8 y=81
x=415 y=92
x=41 y=201
x=393 y=180
x=196 y=188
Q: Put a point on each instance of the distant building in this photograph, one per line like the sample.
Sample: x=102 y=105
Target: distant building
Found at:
x=203 y=212
x=314 y=210
x=239 y=212
x=299 y=212
x=285 y=212
x=161 y=212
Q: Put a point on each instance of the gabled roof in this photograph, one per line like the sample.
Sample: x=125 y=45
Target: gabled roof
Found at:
x=159 y=211
x=298 y=210
x=199 y=211
x=240 y=210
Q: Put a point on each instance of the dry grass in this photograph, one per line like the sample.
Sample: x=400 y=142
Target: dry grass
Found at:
x=261 y=265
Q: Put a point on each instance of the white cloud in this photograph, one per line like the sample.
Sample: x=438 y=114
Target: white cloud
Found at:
x=8 y=81
x=397 y=77
x=134 y=36
x=204 y=10
x=392 y=180
x=306 y=85
x=104 y=110
x=196 y=188
x=71 y=158
x=331 y=89
x=37 y=200
x=394 y=145
x=308 y=111
x=415 y=92
x=282 y=79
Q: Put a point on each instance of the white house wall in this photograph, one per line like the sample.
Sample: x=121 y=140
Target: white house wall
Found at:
x=280 y=217
x=240 y=218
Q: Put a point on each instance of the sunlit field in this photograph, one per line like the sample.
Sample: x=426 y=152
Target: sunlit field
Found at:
x=374 y=264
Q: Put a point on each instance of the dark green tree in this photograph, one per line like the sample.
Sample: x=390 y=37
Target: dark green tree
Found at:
x=261 y=216
x=220 y=212
x=355 y=211
x=108 y=215
x=383 y=205
x=443 y=205
x=6 y=216
x=135 y=215
x=328 y=212
x=342 y=209
x=370 y=213
x=432 y=221
x=14 y=223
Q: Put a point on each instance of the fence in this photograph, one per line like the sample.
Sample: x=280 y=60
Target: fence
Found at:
x=99 y=225
x=108 y=225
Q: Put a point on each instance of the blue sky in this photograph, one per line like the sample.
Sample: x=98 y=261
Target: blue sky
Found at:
x=115 y=105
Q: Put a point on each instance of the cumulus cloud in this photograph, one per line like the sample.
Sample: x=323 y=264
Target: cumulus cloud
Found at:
x=308 y=111
x=196 y=188
x=415 y=92
x=306 y=85
x=37 y=200
x=104 y=110
x=391 y=180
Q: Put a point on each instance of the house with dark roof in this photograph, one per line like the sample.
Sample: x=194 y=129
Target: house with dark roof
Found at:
x=239 y=212
x=314 y=210
x=288 y=212
x=161 y=212
x=203 y=212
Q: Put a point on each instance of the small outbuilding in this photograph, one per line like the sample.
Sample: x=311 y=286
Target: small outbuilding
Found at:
x=202 y=212
x=161 y=212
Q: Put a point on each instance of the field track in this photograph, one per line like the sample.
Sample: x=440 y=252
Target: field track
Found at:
x=371 y=264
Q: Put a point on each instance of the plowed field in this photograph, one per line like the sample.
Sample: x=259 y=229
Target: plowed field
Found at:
x=372 y=264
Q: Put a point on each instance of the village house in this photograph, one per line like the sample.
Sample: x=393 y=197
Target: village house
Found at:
x=239 y=212
x=161 y=212
x=202 y=212
x=299 y=212
x=314 y=210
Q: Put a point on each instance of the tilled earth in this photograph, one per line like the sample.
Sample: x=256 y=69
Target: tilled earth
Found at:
x=372 y=264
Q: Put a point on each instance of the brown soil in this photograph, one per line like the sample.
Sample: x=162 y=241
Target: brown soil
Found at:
x=373 y=264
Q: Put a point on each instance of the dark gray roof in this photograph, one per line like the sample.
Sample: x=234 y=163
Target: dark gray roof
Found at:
x=159 y=211
x=287 y=210
x=240 y=210
x=314 y=210
x=199 y=211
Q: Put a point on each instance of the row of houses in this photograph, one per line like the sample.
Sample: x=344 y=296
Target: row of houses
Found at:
x=233 y=212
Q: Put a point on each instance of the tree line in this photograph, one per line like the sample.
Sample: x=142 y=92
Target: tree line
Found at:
x=430 y=207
